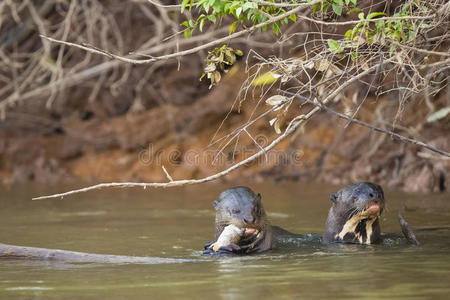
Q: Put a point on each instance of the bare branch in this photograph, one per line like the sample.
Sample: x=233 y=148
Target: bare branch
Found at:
x=366 y=20
x=167 y=173
x=419 y=50
x=164 y=6
x=276 y=4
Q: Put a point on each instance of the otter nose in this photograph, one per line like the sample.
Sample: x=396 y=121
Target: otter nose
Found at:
x=249 y=220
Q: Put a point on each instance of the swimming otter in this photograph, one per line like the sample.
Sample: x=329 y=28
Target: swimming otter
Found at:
x=241 y=207
x=354 y=215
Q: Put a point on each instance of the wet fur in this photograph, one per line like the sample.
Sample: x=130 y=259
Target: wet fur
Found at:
x=241 y=207
x=347 y=222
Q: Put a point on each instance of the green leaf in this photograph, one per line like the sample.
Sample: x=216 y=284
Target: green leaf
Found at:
x=375 y=14
x=238 y=11
x=212 y=18
x=293 y=18
x=233 y=27
x=315 y=7
x=337 y=9
x=353 y=2
x=185 y=23
x=187 y=33
x=361 y=16
x=348 y=34
x=202 y=22
x=440 y=114
x=334 y=46
x=249 y=5
x=183 y=5
x=266 y=78
x=355 y=9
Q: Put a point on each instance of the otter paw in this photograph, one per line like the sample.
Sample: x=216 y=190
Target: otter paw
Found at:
x=208 y=245
x=223 y=251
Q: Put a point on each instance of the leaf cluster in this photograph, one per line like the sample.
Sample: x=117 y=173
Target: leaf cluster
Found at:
x=243 y=11
x=218 y=61
x=366 y=32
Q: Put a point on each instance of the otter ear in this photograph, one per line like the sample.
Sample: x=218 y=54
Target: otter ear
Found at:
x=215 y=203
x=258 y=198
x=334 y=197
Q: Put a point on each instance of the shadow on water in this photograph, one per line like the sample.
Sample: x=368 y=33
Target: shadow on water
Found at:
x=177 y=222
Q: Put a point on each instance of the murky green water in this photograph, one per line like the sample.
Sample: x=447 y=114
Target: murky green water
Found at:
x=177 y=222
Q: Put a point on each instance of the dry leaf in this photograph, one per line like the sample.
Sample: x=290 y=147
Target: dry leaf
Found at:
x=309 y=65
x=272 y=121
x=276 y=100
x=276 y=126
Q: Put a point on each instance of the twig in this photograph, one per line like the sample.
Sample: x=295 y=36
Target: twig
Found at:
x=276 y=4
x=366 y=20
x=167 y=174
x=292 y=127
x=189 y=51
x=368 y=88
x=342 y=116
x=164 y=6
x=419 y=50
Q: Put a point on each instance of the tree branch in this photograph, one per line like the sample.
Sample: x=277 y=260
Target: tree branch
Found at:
x=366 y=20
x=276 y=4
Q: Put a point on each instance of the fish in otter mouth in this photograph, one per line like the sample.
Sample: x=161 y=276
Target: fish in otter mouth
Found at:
x=241 y=223
x=354 y=215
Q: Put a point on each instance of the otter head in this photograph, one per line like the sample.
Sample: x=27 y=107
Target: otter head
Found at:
x=354 y=215
x=241 y=207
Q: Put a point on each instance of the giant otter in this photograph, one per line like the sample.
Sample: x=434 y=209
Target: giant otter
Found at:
x=354 y=215
x=353 y=218
x=241 y=207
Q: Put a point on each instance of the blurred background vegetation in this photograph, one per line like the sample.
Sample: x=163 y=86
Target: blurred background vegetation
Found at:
x=68 y=114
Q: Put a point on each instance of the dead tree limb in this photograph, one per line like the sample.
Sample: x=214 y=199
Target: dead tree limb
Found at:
x=10 y=251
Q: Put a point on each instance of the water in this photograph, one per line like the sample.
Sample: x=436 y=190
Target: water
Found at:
x=177 y=222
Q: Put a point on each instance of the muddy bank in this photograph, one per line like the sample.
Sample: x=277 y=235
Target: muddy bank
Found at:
x=135 y=146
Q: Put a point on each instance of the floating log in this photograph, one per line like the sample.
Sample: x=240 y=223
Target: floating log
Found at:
x=10 y=251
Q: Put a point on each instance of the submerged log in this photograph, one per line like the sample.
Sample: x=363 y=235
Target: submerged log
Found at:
x=10 y=251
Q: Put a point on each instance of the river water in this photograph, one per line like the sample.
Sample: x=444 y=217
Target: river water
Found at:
x=176 y=223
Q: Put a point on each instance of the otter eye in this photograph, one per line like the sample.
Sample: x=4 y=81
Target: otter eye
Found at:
x=371 y=195
x=236 y=211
